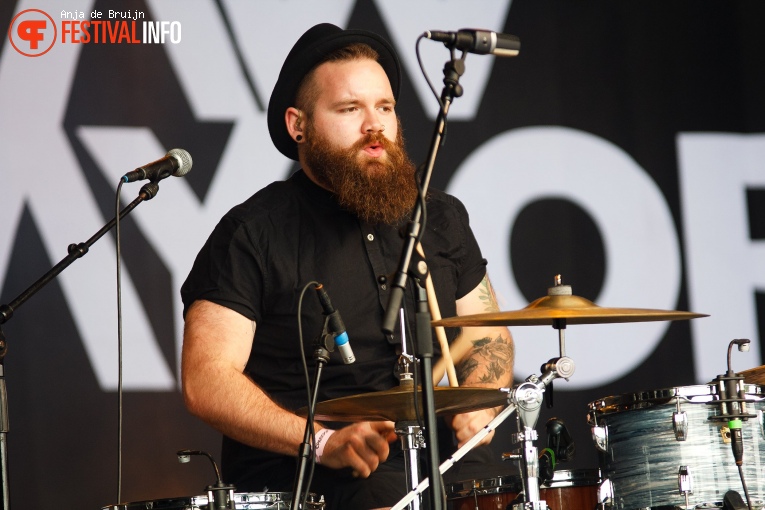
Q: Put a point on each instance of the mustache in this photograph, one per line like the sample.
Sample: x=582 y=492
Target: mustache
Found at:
x=373 y=138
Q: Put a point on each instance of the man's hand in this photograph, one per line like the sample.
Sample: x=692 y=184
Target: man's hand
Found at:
x=361 y=447
x=466 y=425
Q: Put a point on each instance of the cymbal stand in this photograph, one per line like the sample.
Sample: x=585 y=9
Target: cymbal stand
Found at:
x=526 y=398
x=412 y=440
x=409 y=432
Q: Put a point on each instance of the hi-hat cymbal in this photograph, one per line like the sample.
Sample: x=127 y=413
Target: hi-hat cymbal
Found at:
x=397 y=404
x=571 y=309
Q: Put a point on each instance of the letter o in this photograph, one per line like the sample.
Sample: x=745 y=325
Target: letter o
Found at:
x=642 y=250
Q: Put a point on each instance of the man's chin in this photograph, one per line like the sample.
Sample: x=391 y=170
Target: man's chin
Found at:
x=373 y=165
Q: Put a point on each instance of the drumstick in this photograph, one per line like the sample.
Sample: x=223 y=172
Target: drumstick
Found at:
x=435 y=313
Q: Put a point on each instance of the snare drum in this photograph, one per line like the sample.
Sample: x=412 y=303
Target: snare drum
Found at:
x=244 y=501
x=568 y=490
x=660 y=446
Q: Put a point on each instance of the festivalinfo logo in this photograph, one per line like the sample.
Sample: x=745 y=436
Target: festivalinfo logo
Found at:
x=34 y=32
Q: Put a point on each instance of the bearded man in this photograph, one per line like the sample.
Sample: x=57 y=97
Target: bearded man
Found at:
x=337 y=221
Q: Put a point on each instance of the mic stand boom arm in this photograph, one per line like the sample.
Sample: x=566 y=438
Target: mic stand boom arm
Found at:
x=453 y=69
x=76 y=251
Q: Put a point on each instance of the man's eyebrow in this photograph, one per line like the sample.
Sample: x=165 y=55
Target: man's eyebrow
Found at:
x=345 y=102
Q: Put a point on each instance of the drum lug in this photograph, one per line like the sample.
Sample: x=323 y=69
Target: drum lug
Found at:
x=680 y=425
x=605 y=494
x=685 y=482
x=761 y=422
x=600 y=437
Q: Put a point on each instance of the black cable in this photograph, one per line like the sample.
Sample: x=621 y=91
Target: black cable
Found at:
x=423 y=206
x=309 y=417
x=424 y=73
x=119 y=342
x=746 y=490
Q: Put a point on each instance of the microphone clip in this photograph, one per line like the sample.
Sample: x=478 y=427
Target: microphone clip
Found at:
x=324 y=343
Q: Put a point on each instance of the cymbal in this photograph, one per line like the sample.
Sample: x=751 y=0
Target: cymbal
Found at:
x=397 y=404
x=754 y=375
x=571 y=309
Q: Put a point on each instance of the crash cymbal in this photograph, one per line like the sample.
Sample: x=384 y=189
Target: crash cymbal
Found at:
x=397 y=404
x=561 y=304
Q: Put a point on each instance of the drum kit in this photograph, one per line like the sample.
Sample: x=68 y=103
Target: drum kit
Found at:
x=662 y=448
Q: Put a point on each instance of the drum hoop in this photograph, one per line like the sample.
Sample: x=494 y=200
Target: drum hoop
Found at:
x=503 y=484
x=697 y=394
x=268 y=497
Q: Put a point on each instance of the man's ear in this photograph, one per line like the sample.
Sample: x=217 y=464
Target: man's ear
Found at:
x=294 y=118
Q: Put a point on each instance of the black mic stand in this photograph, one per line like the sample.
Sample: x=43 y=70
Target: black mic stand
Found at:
x=323 y=346
x=425 y=350
x=453 y=69
x=75 y=251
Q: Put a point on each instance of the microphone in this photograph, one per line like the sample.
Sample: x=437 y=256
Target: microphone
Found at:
x=478 y=41
x=559 y=440
x=735 y=408
x=336 y=325
x=177 y=162
x=546 y=465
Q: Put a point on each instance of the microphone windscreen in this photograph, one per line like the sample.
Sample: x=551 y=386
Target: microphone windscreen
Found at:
x=184 y=160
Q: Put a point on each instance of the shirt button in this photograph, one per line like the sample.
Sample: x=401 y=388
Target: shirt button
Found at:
x=370 y=237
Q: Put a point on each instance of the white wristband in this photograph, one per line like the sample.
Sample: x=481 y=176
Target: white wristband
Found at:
x=322 y=437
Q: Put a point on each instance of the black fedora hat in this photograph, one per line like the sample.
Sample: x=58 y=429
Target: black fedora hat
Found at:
x=308 y=52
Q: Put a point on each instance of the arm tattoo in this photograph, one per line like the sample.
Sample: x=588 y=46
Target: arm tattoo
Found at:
x=487 y=296
x=488 y=361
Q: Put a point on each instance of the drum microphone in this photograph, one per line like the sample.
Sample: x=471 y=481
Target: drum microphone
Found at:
x=734 y=409
x=336 y=325
x=478 y=41
x=177 y=162
x=559 y=440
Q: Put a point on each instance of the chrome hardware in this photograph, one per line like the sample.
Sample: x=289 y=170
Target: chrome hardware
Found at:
x=685 y=482
x=680 y=425
x=605 y=494
x=600 y=437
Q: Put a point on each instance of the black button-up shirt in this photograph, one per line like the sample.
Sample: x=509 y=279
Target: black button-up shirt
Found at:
x=264 y=251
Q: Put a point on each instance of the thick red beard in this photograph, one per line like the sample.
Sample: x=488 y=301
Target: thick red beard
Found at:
x=377 y=190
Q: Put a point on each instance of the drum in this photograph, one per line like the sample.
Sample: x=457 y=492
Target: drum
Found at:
x=659 y=447
x=243 y=500
x=568 y=490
